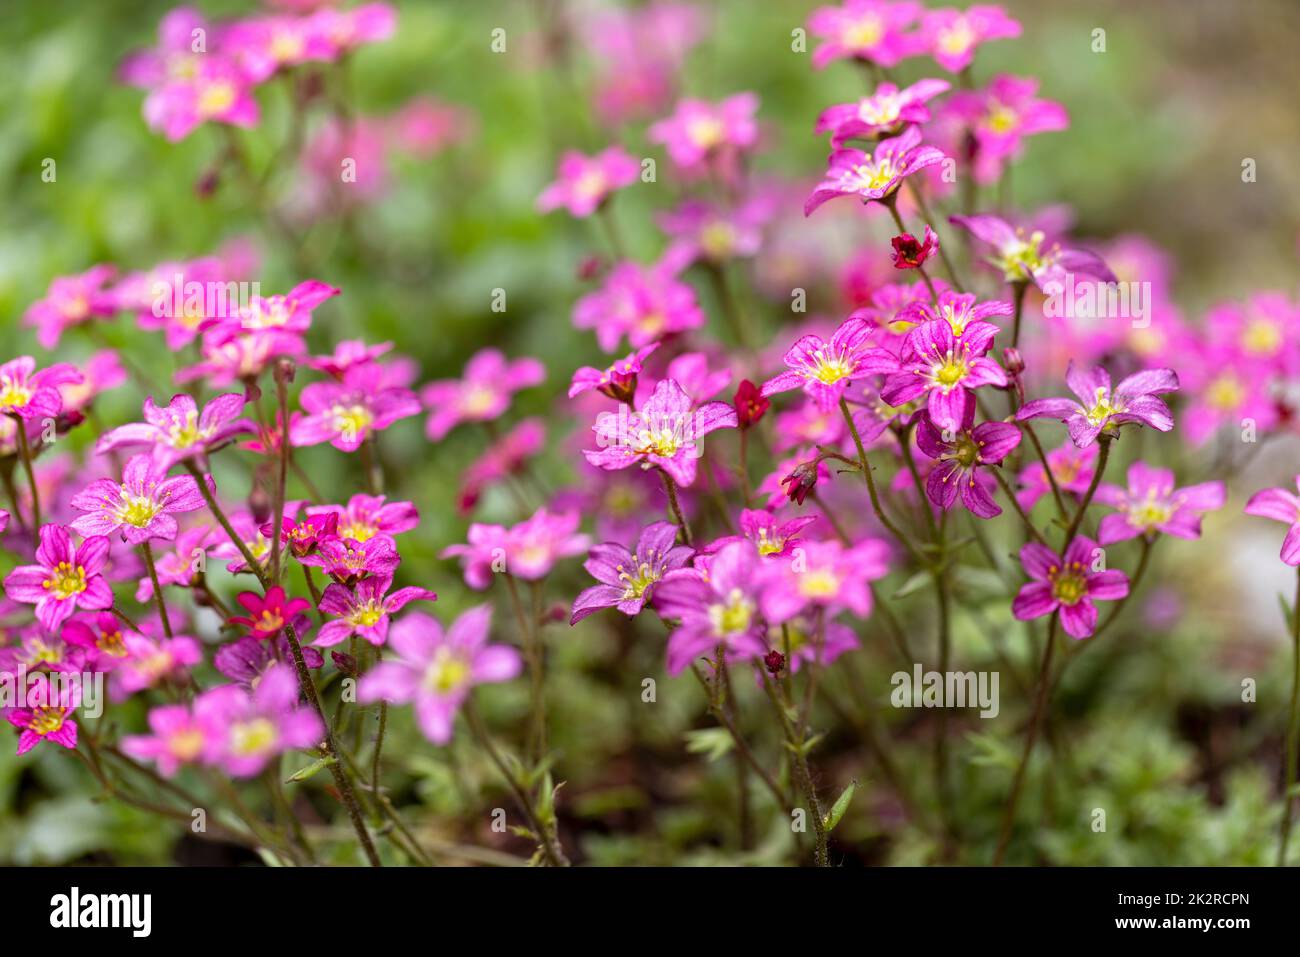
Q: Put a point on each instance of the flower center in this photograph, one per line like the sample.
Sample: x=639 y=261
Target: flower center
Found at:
x=831 y=368
x=706 y=132
x=136 y=510
x=874 y=174
x=253 y=737
x=367 y=616
x=478 y=400
x=949 y=372
x=880 y=110
x=1151 y=512
x=1020 y=258
x=184 y=435
x=352 y=419
x=733 y=617
x=864 y=34
x=718 y=239
x=958 y=38
x=635 y=585
x=46 y=720
x=819 y=583
x=359 y=530
x=270 y=620
x=66 y=580
x=1262 y=338
x=590 y=184
x=111 y=643
x=14 y=395
x=768 y=545
x=1103 y=408
x=966 y=451
x=663 y=442
x=216 y=98
x=1225 y=392
x=447 y=672
x=186 y=745
x=1002 y=119
x=1069 y=585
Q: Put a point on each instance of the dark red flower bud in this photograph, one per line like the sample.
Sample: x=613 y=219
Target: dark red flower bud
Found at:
x=590 y=268
x=774 y=661
x=621 y=387
x=345 y=663
x=801 y=481
x=910 y=252
x=751 y=404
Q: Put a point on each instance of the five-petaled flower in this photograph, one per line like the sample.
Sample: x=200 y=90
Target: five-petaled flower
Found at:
x=140 y=507
x=583 y=183
x=627 y=579
x=960 y=455
x=63 y=579
x=1069 y=584
x=717 y=612
x=269 y=614
x=664 y=433
x=1102 y=409
x=178 y=430
x=825 y=369
x=886 y=111
x=946 y=369
x=874 y=176
x=364 y=609
x=1152 y=504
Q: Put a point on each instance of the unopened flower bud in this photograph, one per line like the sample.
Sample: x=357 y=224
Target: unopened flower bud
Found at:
x=775 y=662
x=801 y=481
x=751 y=404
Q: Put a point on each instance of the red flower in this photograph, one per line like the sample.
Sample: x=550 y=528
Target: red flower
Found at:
x=910 y=253
x=268 y=614
x=751 y=404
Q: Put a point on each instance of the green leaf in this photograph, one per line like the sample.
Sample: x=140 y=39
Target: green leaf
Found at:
x=840 y=806
x=714 y=743
x=311 y=770
x=991 y=751
x=914 y=584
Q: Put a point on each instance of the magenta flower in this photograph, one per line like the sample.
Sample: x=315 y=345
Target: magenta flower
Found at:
x=245 y=731
x=483 y=554
x=644 y=303
x=244 y=357
x=960 y=455
x=628 y=579
x=176 y=566
x=952 y=35
x=665 y=433
x=345 y=414
x=263 y=45
x=366 y=516
x=946 y=370
x=142 y=506
x=217 y=90
x=150 y=661
x=1281 y=506
x=874 y=176
x=346 y=354
x=99 y=373
x=436 y=671
x=63 y=578
x=48 y=715
x=481 y=395
x=825 y=576
x=71 y=301
x=1068 y=584
x=250 y=533
x=720 y=611
x=29 y=394
x=824 y=369
x=618 y=380
x=346 y=30
x=1072 y=468
x=1000 y=117
x=38 y=650
x=698 y=130
x=1022 y=258
x=302 y=537
x=716 y=232
x=364 y=610
x=583 y=183
x=1103 y=409
x=347 y=561
x=283 y=313
x=269 y=613
x=506 y=456
x=246 y=660
x=959 y=310
x=772 y=538
x=1151 y=504
x=178 y=431
x=177 y=739
x=870 y=30
x=885 y=112
x=534 y=545
x=104 y=644
x=911 y=253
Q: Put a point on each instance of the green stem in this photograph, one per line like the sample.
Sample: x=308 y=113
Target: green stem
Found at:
x=871 y=482
x=670 y=487
x=532 y=652
x=25 y=453
x=147 y=551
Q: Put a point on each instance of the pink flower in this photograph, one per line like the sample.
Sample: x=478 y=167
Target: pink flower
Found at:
x=348 y=561
x=48 y=716
x=152 y=660
x=1151 y=504
x=628 y=579
x=583 y=183
x=245 y=731
x=665 y=433
x=618 y=380
x=714 y=232
x=698 y=130
x=946 y=369
x=262 y=45
x=827 y=576
x=771 y=537
x=215 y=90
x=721 y=611
x=960 y=455
x=177 y=431
x=1000 y=117
x=1072 y=468
x=952 y=35
x=269 y=613
x=177 y=739
x=104 y=645
x=142 y=506
x=481 y=395
x=101 y=372
x=29 y=394
x=959 y=310
x=71 y=301
x=302 y=537
x=287 y=313
x=534 y=545
x=644 y=303
x=483 y=554
x=885 y=112
x=870 y=30
x=1022 y=258
x=244 y=357
x=349 y=29
x=366 y=516
x=346 y=354
x=345 y=414
x=245 y=661
x=1103 y=409
x=824 y=369
x=364 y=610
x=1281 y=506
x=506 y=456
x=436 y=671
x=1067 y=584
x=873 y=176
x=176 y=566
x=63 y=578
